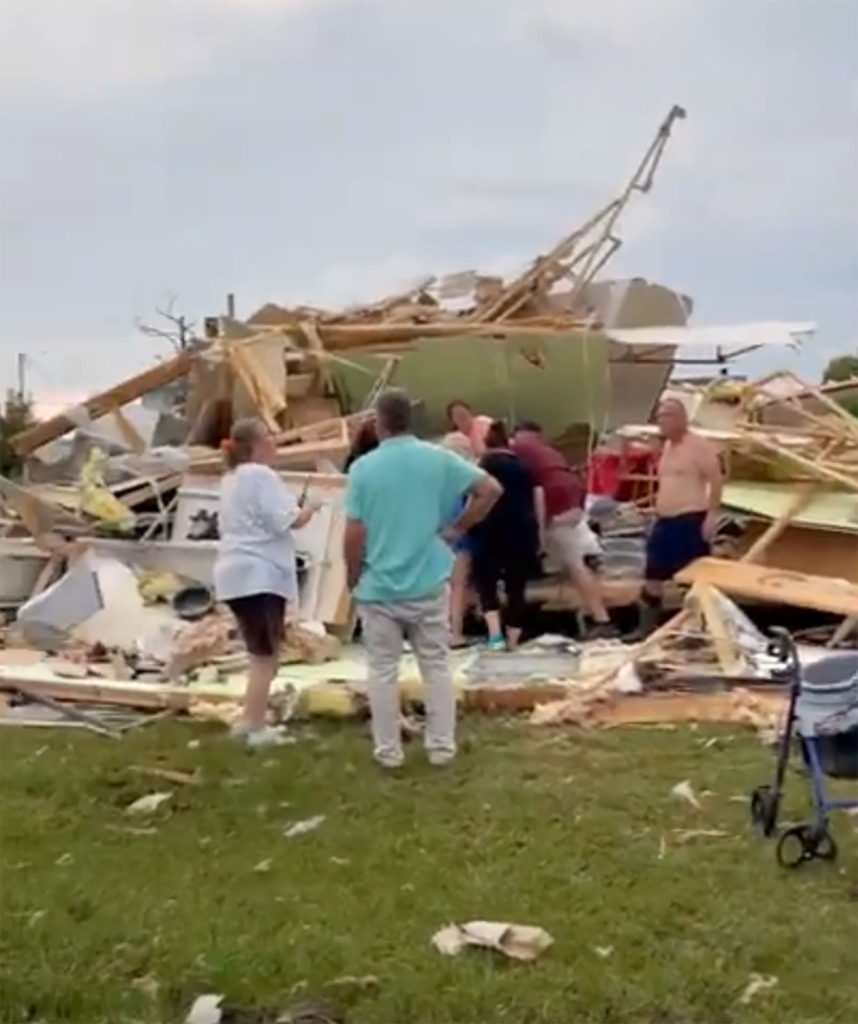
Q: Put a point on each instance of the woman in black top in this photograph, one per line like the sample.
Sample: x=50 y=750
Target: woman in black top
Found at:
x=505 y=545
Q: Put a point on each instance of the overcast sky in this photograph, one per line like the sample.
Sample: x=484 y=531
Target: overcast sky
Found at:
x=331 y=150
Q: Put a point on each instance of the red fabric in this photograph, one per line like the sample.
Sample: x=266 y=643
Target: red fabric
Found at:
x=608 y=471
x=563 y=487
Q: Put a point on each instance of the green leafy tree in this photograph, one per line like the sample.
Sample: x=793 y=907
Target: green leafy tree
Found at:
x=16 y=416
x=841 y=368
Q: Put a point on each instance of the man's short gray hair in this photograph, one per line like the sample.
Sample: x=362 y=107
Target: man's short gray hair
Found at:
x=393 y=409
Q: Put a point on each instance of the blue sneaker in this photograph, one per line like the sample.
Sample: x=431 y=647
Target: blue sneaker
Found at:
x=496 y=643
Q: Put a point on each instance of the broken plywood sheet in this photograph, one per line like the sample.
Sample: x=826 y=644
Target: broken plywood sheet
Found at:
x=826 y=509
x=760 y=711
x=803 y=550
x=38 y=515
x=528 y=376
x=777 y=586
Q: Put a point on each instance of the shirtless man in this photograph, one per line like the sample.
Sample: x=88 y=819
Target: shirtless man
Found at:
x=687 y=503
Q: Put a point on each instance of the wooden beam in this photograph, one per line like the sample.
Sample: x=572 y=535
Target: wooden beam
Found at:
x=729 y=659
x=800 y=501
x=762 y=583
x=105 y=402
x=130 y=435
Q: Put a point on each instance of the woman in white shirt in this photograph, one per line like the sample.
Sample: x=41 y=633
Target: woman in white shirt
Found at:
x=255 y=572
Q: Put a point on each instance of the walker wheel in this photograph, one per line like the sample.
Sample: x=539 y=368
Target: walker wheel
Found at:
x=802 y=843
x=764 y=810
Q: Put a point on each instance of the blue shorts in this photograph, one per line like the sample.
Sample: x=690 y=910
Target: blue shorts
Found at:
x=675 y=542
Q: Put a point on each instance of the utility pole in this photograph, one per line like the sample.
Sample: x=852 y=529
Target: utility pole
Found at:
x=22 y=378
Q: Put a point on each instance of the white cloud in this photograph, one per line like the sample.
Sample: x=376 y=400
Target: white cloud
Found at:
x=593 y=23
x=309 y=150
x=80 y=48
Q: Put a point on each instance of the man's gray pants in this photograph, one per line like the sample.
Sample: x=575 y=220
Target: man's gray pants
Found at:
x=426 y=626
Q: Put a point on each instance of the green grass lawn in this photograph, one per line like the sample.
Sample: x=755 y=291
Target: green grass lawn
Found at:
x=574 y=832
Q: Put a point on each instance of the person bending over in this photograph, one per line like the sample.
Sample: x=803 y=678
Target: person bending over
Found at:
x=505 y=545
x=560 y=496
x=255 y=572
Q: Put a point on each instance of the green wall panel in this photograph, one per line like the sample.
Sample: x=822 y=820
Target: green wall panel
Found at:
x=560 y=380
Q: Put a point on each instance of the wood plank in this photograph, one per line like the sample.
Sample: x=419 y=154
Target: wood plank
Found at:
x=773 y=585
x=809 y=551
x=245 y=372
x=50 y=572
x=334 y=450
x=39 y=516
x=130 y=434
x=316 y=346
x=126 y=391
x=729 y=659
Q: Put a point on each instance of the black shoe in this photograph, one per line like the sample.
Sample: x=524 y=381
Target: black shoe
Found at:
x=601 y=631
x=649 y=617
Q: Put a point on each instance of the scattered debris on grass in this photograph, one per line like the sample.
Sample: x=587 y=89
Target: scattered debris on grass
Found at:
x=757 y=983
x=148 y=985
x=130 y=830
x=684 y=791
x=168 y=774
x=300 y=828
x=603 y=951
x=516 y=941
x=263 y=866
x=206 y=1010
x=148 y=804
x=209 y=1009
x=685 y=835
x=352 y=983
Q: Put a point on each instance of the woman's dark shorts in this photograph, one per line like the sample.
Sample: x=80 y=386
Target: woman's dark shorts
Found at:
x=260 y=619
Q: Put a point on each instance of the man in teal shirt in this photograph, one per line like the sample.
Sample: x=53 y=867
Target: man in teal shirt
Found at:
x=399 y=558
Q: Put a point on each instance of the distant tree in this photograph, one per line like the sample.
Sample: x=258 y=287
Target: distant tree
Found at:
x=841 y=368
x=17 y=415
x=176 y=329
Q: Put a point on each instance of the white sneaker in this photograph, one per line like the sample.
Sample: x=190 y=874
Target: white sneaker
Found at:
x=267 y=736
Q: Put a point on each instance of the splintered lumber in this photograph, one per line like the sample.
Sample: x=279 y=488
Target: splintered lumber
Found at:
x=268 y=402
x=343 y=337
x=673 y=624
x=729 y=659
x=799 y=502
x=846 y=627
x=130 y=434
x=575 y=248
x=104 y=402
x=40 y=517
x=331 y=449
x=323 y=430
x=819 y=468
x=318 y=350
x=762 y=583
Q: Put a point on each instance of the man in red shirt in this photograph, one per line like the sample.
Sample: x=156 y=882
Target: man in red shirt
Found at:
x=560 y=498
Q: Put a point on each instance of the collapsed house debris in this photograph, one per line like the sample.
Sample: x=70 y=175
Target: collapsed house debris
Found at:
x=107 y=550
